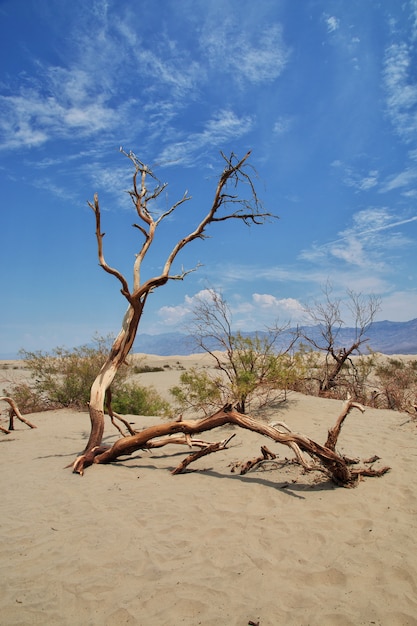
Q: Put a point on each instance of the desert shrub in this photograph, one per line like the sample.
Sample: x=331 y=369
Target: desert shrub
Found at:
x=251 y=378
x=309 y=370
x=28 y=399
x=137 y=400
x=305 y=367
x=199 y=391
x=145 y=369
x=63 y=378
x=397 y=381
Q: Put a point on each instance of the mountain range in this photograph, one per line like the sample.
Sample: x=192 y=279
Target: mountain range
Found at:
x=386 y=337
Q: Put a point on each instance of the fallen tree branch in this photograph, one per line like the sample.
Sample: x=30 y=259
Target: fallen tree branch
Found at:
x=265 y=456
x=14 y=411
x=334 y=432
x=155 y=436
x=213 y=447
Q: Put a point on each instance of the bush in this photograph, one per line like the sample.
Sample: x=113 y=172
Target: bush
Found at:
x=146 y=369
x=198 y=391
x=64 y=377
x=28 y=399
x=136 y=400
x=398 y=384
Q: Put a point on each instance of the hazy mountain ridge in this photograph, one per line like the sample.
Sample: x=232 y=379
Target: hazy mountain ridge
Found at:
x=387 y=337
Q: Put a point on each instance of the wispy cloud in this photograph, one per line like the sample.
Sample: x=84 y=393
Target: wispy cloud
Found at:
x=366 y=243
x=249 y=55
x=401 y=90
x=360 y=179
x=89 y=94
x=283 y=125
x=222 y=127
x=404 y=179
x=332 y=22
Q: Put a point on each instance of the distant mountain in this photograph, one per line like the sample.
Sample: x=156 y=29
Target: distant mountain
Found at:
x=386 y=337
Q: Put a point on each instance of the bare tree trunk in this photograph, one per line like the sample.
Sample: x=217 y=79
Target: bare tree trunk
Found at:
x=117 y=356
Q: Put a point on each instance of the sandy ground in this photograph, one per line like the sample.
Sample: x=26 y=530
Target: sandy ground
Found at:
x=129 y=543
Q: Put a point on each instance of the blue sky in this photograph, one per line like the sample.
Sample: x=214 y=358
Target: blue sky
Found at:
x=324 y=93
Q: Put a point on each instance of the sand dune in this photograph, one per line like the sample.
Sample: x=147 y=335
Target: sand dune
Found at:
x=129 y=543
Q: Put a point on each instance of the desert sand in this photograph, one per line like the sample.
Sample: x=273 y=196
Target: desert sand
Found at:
x=129 y=543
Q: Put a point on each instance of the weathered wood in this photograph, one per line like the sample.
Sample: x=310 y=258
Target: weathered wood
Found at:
x=334 y=464
x=14 y=411
x=209 y=449
x=334 y=432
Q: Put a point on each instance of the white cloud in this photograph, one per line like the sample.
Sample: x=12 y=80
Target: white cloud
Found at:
x=248 y=54
x=407 y=178
x=401 y=90
x=288 y=306
x=366 y=244
x=399 y=306
x=282 y=125
x=177 y=315
x=357 y=178
x=223 y=126
x=261 y=310
x=332 y=23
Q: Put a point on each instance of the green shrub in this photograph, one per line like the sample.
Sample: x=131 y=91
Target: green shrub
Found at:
x=137 y=400
x=198 y=391
x=64 y=377
x=145 y=369
x=28 y=399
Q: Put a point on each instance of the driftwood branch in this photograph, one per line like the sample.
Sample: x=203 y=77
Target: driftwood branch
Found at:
x=326 y=458
x=266 y=455
x=334 y=432
x=213 y=447
x=14 y=411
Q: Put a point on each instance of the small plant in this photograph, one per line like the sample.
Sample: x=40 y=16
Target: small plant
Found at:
x=64 y=378
x=198 y=391
x=145 y=369
x=28 y=399
x=398 y=384
x=137 y=400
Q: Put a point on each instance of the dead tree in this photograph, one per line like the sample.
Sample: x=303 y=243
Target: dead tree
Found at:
x=337 y=467
x=226 y=205
x=327 y=316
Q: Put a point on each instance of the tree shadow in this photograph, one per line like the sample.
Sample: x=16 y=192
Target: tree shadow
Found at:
x=291 y=487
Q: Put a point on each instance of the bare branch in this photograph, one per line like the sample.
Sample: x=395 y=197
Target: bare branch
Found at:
x=14 y=411
x=99 y=236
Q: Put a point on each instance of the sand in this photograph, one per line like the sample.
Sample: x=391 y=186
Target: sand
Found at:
x=129 y=543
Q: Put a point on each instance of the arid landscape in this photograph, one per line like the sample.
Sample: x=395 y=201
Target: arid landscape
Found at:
x=129 y=543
